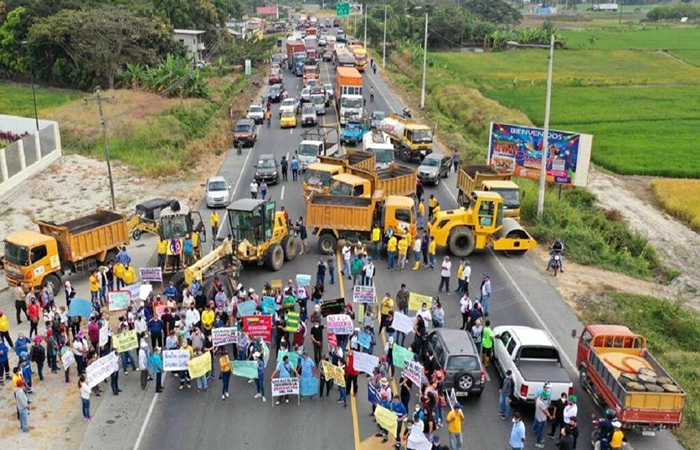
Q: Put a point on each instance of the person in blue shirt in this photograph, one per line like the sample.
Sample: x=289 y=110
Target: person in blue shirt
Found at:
x=123 y=256
x=260 y=381
x=25 y=365
x=401 y=414
x=157 y=365
x=196 y=288
x=386 y=403
x=294 y=165
x=155 y=328
x=22 y=344
x=517 y=433
x=188 y=250
x=284 y=370
x=171 y=291
x=4 y=363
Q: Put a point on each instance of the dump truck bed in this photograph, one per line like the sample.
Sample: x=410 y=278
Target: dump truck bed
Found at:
x=352 y=158
x=339 y=212
x=470 y=178
x=397 y=180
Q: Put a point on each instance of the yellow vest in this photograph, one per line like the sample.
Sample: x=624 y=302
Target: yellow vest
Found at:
x=214 y=219
x=431 y=247
x=460 y=272
x=163 y=247
x=403 y=246
x=119 y=271
x=421 y=208
x=391 y=245
x=433 y=202
x=376 y=234
x=436 y=209
x=94 y=284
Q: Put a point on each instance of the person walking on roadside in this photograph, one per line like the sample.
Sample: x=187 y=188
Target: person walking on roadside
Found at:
x=254 y=189
x=294 y=165
x=20 y=303
x=143 y=365
x=505 y=395
x=517 y=433
x=263 y=189
x=455 y=162
x=85 y=392
x=445 y=273
x=346 y=251
x=214 y=220
x=22 y=404
x=356 y=268
x=485 y=294
x=284 y=164
x=454 y=427
x=391 y=248
x=330 y=264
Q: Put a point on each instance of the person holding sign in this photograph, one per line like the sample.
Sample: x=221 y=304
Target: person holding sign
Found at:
x=284 y=370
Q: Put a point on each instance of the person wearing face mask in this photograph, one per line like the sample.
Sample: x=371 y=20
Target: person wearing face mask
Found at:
x=425 y=314
x=317 y=340
x=192 y=317
x=517 y=433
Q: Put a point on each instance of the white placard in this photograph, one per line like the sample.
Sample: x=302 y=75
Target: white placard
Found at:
x=339 y=324
x=101 y=369
x=175 y=360
x=104 y=335
x=285 y=386
x=414 y=372
x=151 y=274
x=224 y=336
x=145 y=290
x=364 y=362
x=402 y=323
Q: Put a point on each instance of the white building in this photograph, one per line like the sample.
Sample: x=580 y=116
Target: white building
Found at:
x=193 y=40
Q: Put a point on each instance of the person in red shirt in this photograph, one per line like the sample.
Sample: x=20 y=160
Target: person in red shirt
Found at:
x=351 y=374
x=34 y=312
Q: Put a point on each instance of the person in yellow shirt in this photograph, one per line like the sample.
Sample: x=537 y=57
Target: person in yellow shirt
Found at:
x=376 y=241
x=421 y=216
x=214 y=221
x=5 y=329
x=403 y=249
x=226 y=370
x=436 y=209
x=385 y=308
x=391 y=246
x=208 y=317
x=94 y=286
x=432 y=248
x=432 y=203
x=454 y=426
x=618 y=437
x=162 y=252
x=129 y=275
x=119 y=275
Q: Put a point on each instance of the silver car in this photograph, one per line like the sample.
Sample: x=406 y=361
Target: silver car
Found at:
x=308 y=115
x=218 y=192
x=319 y=101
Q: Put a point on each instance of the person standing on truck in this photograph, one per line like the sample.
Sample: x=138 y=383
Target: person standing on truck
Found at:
x=123 y=256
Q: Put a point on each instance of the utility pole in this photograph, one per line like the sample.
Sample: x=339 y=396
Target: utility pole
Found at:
x=545 y=139
x=365 y=11
x=384 y=45
x=99 y=99
x=425 y=63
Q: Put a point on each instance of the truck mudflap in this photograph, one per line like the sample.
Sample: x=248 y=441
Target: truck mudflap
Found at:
x=512 y=239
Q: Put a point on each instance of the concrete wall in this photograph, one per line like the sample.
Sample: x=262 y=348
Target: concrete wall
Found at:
x=30 y=155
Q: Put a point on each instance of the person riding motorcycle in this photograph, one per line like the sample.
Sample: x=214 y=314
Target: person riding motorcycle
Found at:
x=618 y=439
x=601 y=437
x=557 y=249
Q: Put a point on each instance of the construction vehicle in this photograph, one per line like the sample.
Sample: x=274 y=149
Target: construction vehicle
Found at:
x=79 y=245
x=176 y=222
x=616 y=367
x=261 y=233
x=212 y=266
x=317 y=177
x=352 y=158
x=486 y=178
x=481 y=225
x=348 y=94
x=146 y=218
x=394 y=180
x=336 y=217
x=317 y=142
x=411 y=139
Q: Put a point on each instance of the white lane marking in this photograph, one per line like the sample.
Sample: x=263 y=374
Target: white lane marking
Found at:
x=282 y=194
x=291 y=130
x=142 y=431
x=233 y=194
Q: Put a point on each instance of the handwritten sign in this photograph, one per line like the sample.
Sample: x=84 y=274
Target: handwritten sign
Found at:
x=413 y=371
x=247 y=308
x=245 y=369
x=402 y=323
x=400 y=355
x=453 y=398
x=386 y=419
x=285 y=386
x=364 y=362
x=334 y=373
x=151 y=274
x=104 y=335
x=415 y=301
x=175 y=360
x=268 y=305
x=258 y=327
x=332 y=306
x=224 y=336
x=98 y=371
x=364 y=339
x=199 y=366
x=363 y=294
x=67 y=359
x=118 y=300
x=339 y=324
x=303 y=280
x=123 y=342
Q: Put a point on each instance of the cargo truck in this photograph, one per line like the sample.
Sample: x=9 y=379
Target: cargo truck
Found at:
x=348 y=94
x=344 y=57
x=317 y=177
x=377 y=142
x=336 y=217
x=352 y=158
x=360 y=58
x=317 y=142
x=616 y=367
x=298 y=60
x=486 y=178
x=411 y=139
x=34 y=258
x=394 y=180
x=293 y=47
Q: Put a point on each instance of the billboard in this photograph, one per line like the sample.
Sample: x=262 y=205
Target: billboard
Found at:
x=518 y=149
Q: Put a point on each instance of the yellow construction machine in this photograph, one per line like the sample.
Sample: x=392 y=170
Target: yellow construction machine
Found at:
x=146 y=218
x=215 y=264
x=481 y=225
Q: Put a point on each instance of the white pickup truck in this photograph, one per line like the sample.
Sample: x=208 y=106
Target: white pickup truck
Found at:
x=534 y=359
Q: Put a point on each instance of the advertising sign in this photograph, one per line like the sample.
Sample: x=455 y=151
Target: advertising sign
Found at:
x=518 y=149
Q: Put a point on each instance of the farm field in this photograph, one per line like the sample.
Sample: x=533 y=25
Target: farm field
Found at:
x=681 y=198
x=16 y=99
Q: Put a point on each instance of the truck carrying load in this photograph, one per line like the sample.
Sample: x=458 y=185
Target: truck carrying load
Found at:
x=317 y=141
x=616 y=367
x=394 y=180
x=411 y=139
x=293 y=46
x=352 y=158
x=486 y=178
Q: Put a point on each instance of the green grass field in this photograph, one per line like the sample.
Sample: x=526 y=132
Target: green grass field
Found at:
x=16 y=99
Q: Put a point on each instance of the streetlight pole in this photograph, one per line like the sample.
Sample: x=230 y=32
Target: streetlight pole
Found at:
x=545 y=140
x=365 y=11
x=33 y=79
x=384 y=45
x=425 y=62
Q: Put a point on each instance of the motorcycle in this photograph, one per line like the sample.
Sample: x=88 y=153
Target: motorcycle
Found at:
x=406 y=113
x=598 y=442
x=554 y=262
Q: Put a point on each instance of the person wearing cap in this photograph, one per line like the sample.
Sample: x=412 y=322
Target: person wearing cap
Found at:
x=505 y=395
x=143 y=364
x=5 y=329
x=22 y=403
x=618 y=438
x=570 y=410
x=454 y=426
x=541 y=416
x=260 y=381
x=369 y=271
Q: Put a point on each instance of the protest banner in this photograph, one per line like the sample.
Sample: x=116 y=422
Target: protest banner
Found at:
x=245 y=369
x=363 y=294
x=364 y=339
x=98 y=371
x=276 y=284
x=293 y=357
x=453 y=398
x=67 y=359
x=339 y=324
x=303 y=280
x=80 y=307
x=308 y=386
x=224 y=336
x=151 y=274
x=332 y=340
x=134 y=290
x=334 y=372
x=364 y=362
x=247 y=308
x=199 y=366
x=118 y=300
x=285 y=386
x=175 y=360
x=402 y=323
x=268 y=304
x=386 y=419
x=258 y=327
x=332 y=306
x=400 y=355
x=414 y=372
x=292 y=322
x=372 y=394
x=144 y=291
x=415 y=301
x=123 y=342
x=104 y=335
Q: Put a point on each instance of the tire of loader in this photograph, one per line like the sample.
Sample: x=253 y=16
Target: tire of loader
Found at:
x=461 y=242
x=327 y=244
x=178 y=279
x=291 y=247
x=274 y=257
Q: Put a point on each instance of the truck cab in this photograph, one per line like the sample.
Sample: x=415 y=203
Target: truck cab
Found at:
x=29 y=257
x=350 y=185
x=317 y=177
x=176 y=223
x=411 y=139
x=351 y=108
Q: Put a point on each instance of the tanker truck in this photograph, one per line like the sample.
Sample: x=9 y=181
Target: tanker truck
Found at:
x=410 y=139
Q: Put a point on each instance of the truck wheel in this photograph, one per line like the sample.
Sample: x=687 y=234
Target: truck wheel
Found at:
x=136 y=234
x=289 y=245
x=55 y=280
x=178 y=280
x=464 y=381
x=406 y=155
x=461 y=241
x=327 y=243
x=583 y=378
x=208 y=289
x=460 y=199
x=274 y=257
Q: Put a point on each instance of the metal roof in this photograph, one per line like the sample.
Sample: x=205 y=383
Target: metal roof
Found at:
x=245 y=204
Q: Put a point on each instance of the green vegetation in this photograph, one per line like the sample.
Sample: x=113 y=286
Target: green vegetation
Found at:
x=673 y=335
x=16 y=99
x=174 y=77
x=674 y=12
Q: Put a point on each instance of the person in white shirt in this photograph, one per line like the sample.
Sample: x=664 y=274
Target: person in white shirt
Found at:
x=187 y=299
x=85 y=391
x=140 y=325
x=570 y=410
x=417 y=245
x=425 y=314
x=254 y=189
x=347 y=256
x=466 y=275
x=465 y=305
x=192 y=317
x=143 y=364
x=445 y=274
x=369 y=272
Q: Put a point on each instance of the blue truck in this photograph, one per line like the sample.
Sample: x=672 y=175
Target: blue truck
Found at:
x=353 y=132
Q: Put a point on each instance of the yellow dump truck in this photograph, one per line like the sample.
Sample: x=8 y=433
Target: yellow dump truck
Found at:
x=336 y=217
x=352 y=158
x=486 y=178
x=317 y=176
x=33 y=258
x=394 y=180
x=481 y=225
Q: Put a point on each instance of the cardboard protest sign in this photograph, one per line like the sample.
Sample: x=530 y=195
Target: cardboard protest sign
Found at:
x=247 y=308
x=364 y=339
x=245 y=369
x=386 y=419
x=363 y=294
x=303 y=280
x=402 y=323
x=400 y=355
x=308 y=386
x=292 y=322
x=268 y=304
x=335 y=373
x=285 y=386
x=276 y=284
x=98 y=371
x=118 y=300
x=123 y=342
x=80 y=307
x=67 y=359
x=414 y=372
x=332 y=306
x=224 y=336
x=364 y=362
x=151 y=274
x=293 y=357
x=175 y=360
x=339 y=324
x=258 y=327
x=415 y=301
x=144 y=291
x=199 y=366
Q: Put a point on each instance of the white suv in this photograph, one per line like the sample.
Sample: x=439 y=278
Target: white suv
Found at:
x=257 y=113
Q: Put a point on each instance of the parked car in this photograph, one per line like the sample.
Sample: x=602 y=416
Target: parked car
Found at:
x=266 y=168
x=308 y=115
x=245 y=132
x=275 y=93
x=257 y=113
x=288 y=119
x=217 y=192
x=457 y=354
x=289 y=104
x=433 y=167
x=533 y=357
x=376 y=119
